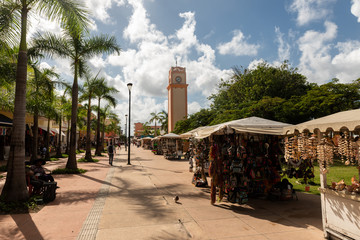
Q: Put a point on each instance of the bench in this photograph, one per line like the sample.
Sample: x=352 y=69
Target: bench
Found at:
x=38 y=187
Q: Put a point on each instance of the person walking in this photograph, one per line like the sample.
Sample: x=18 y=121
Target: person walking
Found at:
x=111 y=153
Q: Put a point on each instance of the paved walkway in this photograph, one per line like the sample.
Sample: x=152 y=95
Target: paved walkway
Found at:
x=136 y=202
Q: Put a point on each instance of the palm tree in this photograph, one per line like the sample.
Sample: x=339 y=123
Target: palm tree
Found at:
x=106 y=113
x=90 y=86
x=103 y=92
x=164 y=120
x=60 y=106
x=155 y=118
x=40 y=92
x=60 y=10
x=78 y=48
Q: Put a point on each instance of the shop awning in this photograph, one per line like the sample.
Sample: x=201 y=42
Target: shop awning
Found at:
x=250 y=125
x=5 y=121
x=169 y=135
x=347 y=119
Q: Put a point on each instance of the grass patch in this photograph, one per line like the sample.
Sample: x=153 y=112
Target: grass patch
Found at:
x=80 y=151
x=335 y=174
x=65 y=155
x=20 y=207
x=54 y=159
x=3 y=168
x=84 y=160
x=1 y=176
x=68 y=171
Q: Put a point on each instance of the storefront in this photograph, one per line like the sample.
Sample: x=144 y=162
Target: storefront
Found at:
x=332 y=137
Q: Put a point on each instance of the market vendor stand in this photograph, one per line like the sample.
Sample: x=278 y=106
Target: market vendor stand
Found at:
x=243 y=155
x=146 y=142
x=171 y=146
x=340 y=205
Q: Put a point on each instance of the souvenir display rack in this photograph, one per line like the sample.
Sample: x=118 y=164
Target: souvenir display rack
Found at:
x=333 y=137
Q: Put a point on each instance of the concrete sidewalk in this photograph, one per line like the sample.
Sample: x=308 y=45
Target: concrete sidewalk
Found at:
x=140 y=205
x=136 y=202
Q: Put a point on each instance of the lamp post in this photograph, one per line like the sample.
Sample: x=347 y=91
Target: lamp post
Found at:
x=129 y=85
x=126 y=132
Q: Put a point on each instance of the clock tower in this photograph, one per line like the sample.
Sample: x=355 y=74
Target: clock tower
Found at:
x=177 y=96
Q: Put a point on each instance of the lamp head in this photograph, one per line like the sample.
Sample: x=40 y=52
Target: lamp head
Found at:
x=129 y=85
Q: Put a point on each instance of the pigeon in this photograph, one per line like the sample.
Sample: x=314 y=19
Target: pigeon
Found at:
x=176 y=199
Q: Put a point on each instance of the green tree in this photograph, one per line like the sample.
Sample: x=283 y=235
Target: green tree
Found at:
x=164 y=121
x=105 y=92
x=76 y=46
x=155 y=117
x=39 y=98
x=59 y=10
x=90 y=86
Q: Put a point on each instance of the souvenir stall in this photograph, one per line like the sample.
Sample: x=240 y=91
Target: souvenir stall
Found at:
x=146 y=142
x=244 y=157
x=171 y=146
x=156 y=146
x=332 y=137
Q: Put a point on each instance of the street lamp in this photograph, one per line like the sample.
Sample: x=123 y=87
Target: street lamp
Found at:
x=129 y=85
x=126 y=131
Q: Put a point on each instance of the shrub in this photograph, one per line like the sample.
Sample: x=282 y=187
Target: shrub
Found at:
x=84 y=160
x=68 y=171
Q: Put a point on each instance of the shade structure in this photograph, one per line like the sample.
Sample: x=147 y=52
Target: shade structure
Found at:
x=169 y=135
x=5 y=121
x=347 y=119
x=255 y=125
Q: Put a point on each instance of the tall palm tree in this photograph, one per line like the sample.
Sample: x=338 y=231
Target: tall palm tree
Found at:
x=60 y=10
x=60 y=106
x=164 y=120
x=155 y=117
x=103 y=92
x=75 y=45
x=39 y=97
x=90 y=86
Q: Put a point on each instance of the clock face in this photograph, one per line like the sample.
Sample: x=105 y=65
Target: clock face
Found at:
x=178 y=79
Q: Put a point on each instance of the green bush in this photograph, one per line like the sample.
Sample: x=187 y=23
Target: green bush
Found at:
x=19 y=207
x=84 y=160
x=68 y=171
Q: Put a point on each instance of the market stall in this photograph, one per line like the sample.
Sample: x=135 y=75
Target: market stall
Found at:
x=146 y=142
x=171 y=146
x=243 y=156
x=156 y=146
x=332 y=137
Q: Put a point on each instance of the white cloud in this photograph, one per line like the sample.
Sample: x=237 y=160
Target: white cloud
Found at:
x=315 y=59
x=99 y=8
x=193 y=107
x=310 y=10
x=319 y=64
x=238 y=46
x=284 y=47
x=355 y=9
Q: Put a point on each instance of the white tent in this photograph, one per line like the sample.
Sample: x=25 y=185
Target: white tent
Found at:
x=170 y=135
x=249 y=125
x=347 y=119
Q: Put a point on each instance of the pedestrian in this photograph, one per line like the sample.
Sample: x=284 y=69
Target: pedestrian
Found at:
x=111 y=153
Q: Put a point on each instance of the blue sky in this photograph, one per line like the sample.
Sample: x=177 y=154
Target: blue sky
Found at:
x=319 y=37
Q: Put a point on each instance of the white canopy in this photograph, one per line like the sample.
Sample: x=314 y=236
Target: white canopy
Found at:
x=170 y=135
x=249 y=125
x=347 y=119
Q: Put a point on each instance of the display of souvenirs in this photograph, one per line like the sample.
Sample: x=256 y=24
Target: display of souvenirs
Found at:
x=341 y=186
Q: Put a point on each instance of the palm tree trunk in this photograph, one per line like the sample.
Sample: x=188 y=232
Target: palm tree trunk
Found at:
x=67 y=138
x=103 y=136
x=71 y=163
x=47 y=141
x=155 y=129
x=98 y=143
x=35 y=130
x=58 y=149
x=15 y=185
x=88 y=132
